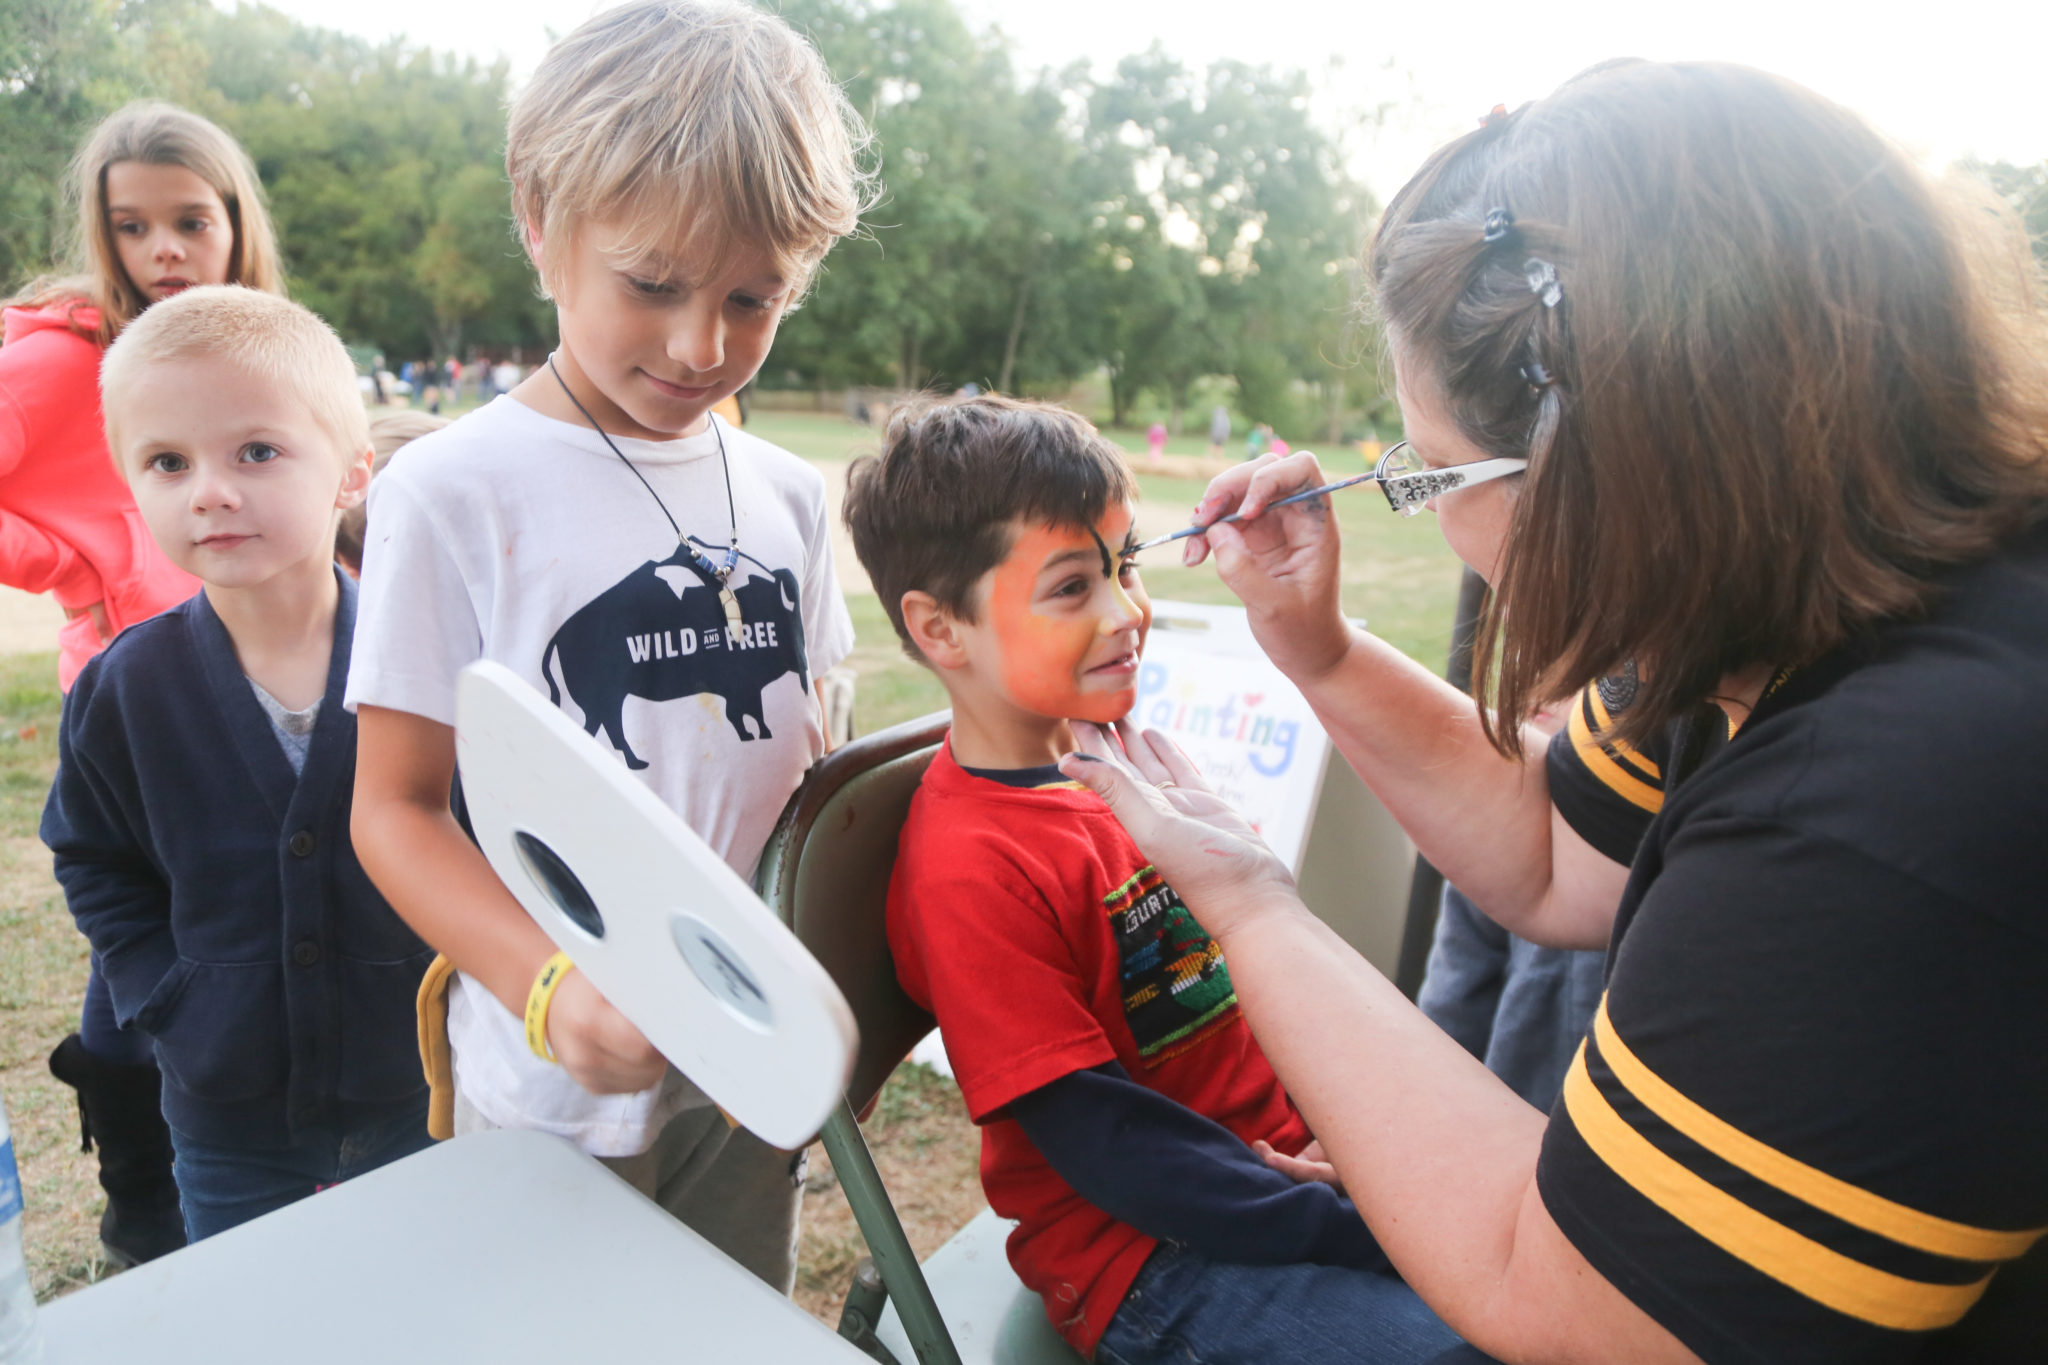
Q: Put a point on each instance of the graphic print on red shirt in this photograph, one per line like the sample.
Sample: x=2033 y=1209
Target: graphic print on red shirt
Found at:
x=1044 y=942
x=1176 y=988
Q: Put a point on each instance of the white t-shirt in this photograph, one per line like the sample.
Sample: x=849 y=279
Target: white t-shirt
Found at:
x=515 y=537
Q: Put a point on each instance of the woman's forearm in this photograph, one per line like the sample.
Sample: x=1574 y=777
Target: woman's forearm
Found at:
x=1435 y=1150
x=1437 y=1153
x=1484 y=821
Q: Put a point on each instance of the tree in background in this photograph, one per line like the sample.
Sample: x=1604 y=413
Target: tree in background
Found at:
x=966 y=269
x=1161 y=225
x=384 y=167
x=2023 y=187
x=382 y=162
x=64 y=64
x=1169 y=228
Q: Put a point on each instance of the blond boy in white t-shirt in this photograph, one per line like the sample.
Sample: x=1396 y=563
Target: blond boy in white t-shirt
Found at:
x=678 y=170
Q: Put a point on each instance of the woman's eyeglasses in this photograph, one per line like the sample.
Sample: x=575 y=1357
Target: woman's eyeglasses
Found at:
x=1401 y=475
x=1409 y=483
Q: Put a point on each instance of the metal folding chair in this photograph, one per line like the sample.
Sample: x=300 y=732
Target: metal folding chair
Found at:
x=826 y=872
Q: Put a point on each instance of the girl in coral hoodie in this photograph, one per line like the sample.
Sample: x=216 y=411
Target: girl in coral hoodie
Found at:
x=166 y=200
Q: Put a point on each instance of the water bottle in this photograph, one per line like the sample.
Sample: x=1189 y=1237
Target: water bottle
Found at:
x=20 y=1341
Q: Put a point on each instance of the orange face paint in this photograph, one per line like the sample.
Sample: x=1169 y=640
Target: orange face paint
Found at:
x=1070 y=634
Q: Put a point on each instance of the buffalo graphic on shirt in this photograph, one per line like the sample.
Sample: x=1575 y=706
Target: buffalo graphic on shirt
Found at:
x=661 y=633
x=1176 y=987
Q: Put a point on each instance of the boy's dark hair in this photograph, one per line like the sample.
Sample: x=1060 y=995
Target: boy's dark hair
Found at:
x=934 y=511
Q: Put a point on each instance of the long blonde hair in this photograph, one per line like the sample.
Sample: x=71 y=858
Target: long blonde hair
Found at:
x=156 y=134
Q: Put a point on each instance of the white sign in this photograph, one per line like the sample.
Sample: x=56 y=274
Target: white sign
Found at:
x=1206 y=682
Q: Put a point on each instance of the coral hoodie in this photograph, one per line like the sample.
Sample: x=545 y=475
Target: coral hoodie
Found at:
x=68 y=525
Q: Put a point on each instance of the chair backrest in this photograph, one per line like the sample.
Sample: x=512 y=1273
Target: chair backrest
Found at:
x=826 y=871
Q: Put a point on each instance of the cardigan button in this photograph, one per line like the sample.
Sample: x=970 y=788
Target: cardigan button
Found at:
x=302 y=844
x=306 y=953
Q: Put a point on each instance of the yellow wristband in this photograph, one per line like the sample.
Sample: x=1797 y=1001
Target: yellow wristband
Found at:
x=551 y=973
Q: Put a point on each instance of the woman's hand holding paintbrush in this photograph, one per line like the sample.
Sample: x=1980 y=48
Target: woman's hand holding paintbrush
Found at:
x=1282 y=566
x=1238 y=516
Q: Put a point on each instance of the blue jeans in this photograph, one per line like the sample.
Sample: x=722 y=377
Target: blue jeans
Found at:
x=1185 y=1309
x=223 y=1187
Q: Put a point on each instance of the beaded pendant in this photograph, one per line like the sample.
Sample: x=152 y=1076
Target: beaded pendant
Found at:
x=723 y=574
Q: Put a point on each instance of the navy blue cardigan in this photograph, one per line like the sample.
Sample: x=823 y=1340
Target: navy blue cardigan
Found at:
x=222 y=894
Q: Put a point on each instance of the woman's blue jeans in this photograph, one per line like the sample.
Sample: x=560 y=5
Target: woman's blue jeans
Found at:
x=223 y=1187
x=1185 y=1309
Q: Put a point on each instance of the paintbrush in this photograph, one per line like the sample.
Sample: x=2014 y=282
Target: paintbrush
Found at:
x=1298 y=497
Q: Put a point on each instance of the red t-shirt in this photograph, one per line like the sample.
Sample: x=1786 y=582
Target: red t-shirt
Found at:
x=1029 y=924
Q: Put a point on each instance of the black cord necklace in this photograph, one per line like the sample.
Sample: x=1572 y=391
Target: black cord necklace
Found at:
x=721 y=573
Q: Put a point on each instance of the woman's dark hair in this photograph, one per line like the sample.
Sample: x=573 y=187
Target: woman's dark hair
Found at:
x=1784 y=383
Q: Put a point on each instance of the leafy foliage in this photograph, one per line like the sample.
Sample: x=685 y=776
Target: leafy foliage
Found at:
x=1158 y=224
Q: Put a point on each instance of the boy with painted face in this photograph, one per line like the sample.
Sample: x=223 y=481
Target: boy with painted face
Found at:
x=1089 y=1018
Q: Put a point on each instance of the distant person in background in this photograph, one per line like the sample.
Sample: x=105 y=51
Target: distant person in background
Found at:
x=1280 y=447
x=1219 y=430
x=165 y=201
x=505 y=376
x=1155 y=441
x=390 y=432
x=1256 y=439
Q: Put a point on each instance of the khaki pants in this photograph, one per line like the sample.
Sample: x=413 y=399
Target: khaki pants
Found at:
x=725 y=1184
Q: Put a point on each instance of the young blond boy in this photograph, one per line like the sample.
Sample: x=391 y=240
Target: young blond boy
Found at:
x=678 y=171
x=1089 y=1018
x=200 y=812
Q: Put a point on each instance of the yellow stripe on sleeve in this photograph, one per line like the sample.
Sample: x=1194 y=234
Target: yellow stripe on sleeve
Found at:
x=1794 y=1260
x=1618 y=779
x=1850 y=1203
x=1628 y=753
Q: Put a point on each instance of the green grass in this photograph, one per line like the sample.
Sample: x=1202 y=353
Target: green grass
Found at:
x=815 y=436
x=42 y=978
x=29 y=708
x=892 y=688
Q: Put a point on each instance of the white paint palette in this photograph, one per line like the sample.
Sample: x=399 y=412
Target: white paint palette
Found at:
x=661 y=926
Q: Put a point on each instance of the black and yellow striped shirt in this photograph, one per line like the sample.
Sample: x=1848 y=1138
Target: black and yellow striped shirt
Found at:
x=1811 y=1120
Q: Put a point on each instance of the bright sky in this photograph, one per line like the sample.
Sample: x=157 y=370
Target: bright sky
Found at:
x=1946 y=77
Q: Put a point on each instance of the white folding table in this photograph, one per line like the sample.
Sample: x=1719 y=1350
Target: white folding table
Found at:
x=511 y=1248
